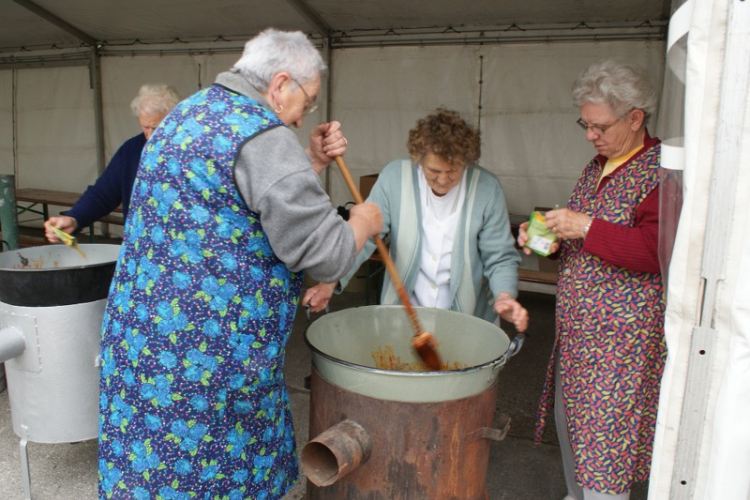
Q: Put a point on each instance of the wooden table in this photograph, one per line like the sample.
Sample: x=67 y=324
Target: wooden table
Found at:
x=28 y=200
x=38 y=201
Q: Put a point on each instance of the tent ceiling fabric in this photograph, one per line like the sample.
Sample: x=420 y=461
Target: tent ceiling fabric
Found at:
x=148 y=20
x=391 y=14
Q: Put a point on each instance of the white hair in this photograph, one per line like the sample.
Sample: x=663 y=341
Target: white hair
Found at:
x=274 y=51
x=621 y=85
x=155 y=98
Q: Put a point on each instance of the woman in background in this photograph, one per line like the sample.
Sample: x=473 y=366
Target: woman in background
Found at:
x=115 y=185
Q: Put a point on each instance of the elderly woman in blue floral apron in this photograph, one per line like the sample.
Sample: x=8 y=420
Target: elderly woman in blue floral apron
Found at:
x=605 y=371
x=449 y=227
x=227 y=212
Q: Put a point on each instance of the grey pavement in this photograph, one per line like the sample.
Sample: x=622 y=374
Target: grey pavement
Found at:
x=518 y=469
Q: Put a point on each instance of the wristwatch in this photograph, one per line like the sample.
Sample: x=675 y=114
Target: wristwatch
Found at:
x=587 y=227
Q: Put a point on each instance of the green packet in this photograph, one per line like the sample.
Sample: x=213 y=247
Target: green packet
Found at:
x=541 y=237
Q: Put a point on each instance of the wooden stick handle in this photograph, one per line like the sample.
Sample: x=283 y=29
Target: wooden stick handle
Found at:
x=389 y=265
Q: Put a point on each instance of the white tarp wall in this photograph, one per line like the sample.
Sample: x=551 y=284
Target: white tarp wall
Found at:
x=530 y=138
x=54 y=115
x=6 y=122
x=702 y=448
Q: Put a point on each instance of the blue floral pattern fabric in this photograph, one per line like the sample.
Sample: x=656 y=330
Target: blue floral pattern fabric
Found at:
x=193 y=402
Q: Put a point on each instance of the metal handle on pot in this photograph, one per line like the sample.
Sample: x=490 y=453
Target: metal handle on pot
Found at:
x=495 y=433
x=516 y=344
x=307 y=311
x=513 y=348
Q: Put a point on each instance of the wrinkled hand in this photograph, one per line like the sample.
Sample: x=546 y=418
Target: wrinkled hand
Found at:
x=318 y=296
x=523 y=238
x=326 y=142
x=511 y=311
x=567 y=224
x=366 y=220
x=63 y=223
x=370 y=212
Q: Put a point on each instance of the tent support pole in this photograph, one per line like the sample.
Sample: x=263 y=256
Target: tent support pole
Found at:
x=95 y=75
x=725 y=171
x=95 y=70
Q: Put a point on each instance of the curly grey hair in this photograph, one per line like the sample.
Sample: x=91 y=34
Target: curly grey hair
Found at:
x=155 y=98
x=273 y=51
x=619 y=84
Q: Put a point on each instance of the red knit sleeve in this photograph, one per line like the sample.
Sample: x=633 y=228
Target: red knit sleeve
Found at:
x=634 y=248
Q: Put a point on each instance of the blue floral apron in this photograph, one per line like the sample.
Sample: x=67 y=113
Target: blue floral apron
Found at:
x=193 y=400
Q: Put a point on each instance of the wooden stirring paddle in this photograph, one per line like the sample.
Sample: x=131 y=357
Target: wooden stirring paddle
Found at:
x=423 y=342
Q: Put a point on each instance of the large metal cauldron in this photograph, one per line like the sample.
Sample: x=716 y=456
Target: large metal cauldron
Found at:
x=51 y=307
x=382 y=434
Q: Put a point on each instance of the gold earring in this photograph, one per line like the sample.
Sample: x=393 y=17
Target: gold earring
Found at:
x=279 y=109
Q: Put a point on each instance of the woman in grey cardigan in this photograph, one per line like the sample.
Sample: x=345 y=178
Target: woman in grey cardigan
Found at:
x=448 y=224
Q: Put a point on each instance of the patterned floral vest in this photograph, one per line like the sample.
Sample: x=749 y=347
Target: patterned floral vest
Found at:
x=196 y=256
x=587 y=279
x=610 y=339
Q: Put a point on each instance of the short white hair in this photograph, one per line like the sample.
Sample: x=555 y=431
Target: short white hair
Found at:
x=621 y=85
x=274 y=51
x=155 y=98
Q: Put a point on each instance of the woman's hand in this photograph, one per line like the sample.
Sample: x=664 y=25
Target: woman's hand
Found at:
x=523 y=238
x=511 y=311
x=63 y=223
x=366 y=220
x=326 y=142
x=567 y=224
x=318 y=296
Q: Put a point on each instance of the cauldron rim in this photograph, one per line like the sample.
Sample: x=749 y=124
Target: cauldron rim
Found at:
x=69 y=282
x=40 y=249
x=499 y=361
x=54 y=269
x=355 y=332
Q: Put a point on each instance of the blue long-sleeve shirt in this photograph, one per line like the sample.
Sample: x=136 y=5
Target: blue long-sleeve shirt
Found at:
x=113 y=187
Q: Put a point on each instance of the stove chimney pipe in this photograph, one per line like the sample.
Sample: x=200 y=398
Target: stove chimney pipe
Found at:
x=336 y=452
x=12 y=343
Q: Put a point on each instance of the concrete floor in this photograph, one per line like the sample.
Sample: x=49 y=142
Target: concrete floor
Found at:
x=518 y=470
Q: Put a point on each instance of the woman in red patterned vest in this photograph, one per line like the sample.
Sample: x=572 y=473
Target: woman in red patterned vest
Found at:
x=606 y=366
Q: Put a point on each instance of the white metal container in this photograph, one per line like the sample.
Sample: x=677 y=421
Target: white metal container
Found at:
x=51 y=308
x=53 y=385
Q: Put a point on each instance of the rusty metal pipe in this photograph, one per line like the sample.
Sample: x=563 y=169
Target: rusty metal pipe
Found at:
x=12 y=343
x=336 y=452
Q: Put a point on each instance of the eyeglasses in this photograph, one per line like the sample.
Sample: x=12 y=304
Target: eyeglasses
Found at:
x=310 y=107
x=597 y=129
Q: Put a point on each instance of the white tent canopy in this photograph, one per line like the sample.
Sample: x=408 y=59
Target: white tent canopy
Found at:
x=39 y=24
x=68 y=71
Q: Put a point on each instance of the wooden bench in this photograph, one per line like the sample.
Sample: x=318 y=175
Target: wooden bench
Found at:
x=537 y=281
x=38 y=201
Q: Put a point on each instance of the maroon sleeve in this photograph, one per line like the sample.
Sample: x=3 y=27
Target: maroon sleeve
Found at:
x=634 y=248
